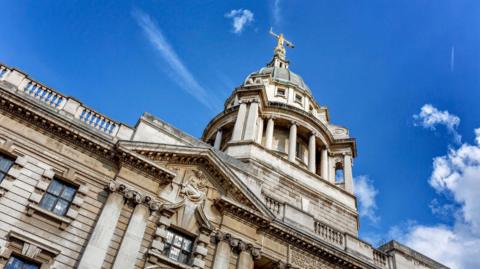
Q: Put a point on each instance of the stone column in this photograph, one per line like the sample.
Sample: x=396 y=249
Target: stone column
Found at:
x=269 y=133
x=239 y=123
x=312 y=151
x=324 y=164
x=260 y=130
x=251 y=124
x=292 y=142
x=223 y=251
x=218 y=140
x=347 y=173
x=247 y=255
x=132 y=240
x=97 y=246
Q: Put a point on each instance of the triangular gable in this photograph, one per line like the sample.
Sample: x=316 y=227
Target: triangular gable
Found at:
x=211 y=162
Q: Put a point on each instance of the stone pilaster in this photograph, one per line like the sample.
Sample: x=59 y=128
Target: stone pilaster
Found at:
x=240 y=122
x=324 y=164
x=292 y=148
x=218 y=140
x=259 y=130
x=246 y=255
x=223 y=251
x=347 y=170
x=102 y=234
x=269 y=133
x=132 y=240
x=251 y=124
x=312 y=151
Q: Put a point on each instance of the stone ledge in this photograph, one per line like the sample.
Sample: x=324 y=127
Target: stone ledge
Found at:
x=63 y=221
x=155 y=256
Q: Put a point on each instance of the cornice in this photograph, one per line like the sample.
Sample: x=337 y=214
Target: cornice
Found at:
x=66 y=130
x=292 y=236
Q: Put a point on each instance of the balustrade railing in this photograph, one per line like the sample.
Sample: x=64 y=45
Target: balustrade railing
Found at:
x=329 y=234
x=57 y=101
x=379 y=258
x=44 y=95
x=96 y=120
x=275 y=206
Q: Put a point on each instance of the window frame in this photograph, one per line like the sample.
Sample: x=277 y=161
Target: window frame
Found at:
x=3 y=174
x=298 y=98
x=64 y=185
x=24 y=261
x=284 y=92
x=169 y=245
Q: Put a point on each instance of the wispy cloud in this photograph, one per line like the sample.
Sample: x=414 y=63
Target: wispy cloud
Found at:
x=180 y=73
x=430 y=117
x=240 y=19
x=276 y=13
x=366 y=195
x=452 y=59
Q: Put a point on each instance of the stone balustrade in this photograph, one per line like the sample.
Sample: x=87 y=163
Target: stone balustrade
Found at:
x=44 y=95
x=379 y=258
x=96 y=120
x=329 y=234
x=275 y=206
x=62 y=104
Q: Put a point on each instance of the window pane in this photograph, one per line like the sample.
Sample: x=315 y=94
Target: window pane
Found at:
x=14 y=263
x=68 y=193
x=169 y=237
x=187 y=245
x=55 y=187
x=5 y=163
x=177 y=241
x=183 y=258
x=2 y=176
x=61 y=207
x=174 y=253
x=48 y=201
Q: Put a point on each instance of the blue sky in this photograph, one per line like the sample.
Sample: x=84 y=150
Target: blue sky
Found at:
x=375 y=64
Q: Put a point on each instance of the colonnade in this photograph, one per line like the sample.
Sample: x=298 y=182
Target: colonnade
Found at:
x=249 y=127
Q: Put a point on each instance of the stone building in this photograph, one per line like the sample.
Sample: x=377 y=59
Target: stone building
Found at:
x=269 y=184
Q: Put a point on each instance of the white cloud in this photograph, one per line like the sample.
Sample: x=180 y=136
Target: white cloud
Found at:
x=240 y=18
x=276 y=12
x=430 y=117
x=180 y=73
x=456 y=176
x=366 y=194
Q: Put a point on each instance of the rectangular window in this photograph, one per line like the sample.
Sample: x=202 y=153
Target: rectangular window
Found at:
x=178 y=247
x=281 y=92
x=298 y=98
x=58 y=197
x=18 y=263
x=5 y=165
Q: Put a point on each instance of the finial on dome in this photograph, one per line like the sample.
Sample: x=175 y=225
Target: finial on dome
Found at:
x=281 y=41
x=279 y=51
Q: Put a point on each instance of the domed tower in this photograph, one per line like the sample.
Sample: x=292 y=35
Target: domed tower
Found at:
x=273 y=118
x=302 y=163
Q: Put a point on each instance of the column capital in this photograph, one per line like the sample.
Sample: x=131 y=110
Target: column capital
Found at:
x=293 y=122
x=313 y=133
x=133 y=196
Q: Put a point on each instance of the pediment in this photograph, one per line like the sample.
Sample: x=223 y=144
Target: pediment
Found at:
x=199 y=172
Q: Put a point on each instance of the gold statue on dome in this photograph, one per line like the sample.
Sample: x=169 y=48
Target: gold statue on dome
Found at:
x=281 y=41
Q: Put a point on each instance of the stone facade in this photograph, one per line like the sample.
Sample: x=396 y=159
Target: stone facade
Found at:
x=269 y=184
